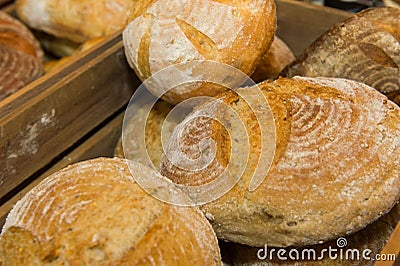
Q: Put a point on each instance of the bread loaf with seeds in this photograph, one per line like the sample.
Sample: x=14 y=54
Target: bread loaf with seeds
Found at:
x=364 y=47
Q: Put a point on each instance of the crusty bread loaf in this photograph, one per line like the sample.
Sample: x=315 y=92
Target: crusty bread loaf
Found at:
x=374 y=237
x=93 y=213
x=75 y=19
x=335 y=169
x=154 y=124
x=20 y=53
x=364 y=47
x=274 y=61
x=165 y=32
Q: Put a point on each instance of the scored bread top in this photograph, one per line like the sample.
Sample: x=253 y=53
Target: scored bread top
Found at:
x=364 y=47
x=94 y=212
x=165 y=32
x=335 y=170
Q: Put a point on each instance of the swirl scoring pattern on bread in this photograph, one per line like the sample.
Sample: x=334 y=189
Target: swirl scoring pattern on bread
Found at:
x=336 y=164
x=93 y=212
x=21 y=56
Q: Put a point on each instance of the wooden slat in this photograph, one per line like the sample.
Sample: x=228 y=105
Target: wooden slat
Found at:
x=47 y=117
x=299 y=24
x=101 y=143
x=392 y=247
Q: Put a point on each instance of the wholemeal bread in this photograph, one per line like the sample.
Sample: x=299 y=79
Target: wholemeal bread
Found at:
x=20 y=53
x=364 y=47
x=154 y=125
x=374 y=237
x=74 y=19
x=163 y=33
x=274 y=61
x=335 y=169
x=93 y=213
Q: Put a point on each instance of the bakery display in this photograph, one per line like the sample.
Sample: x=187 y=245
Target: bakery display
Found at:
x=335 y=168
x=73 y=19
x=163 y=33
x=364 y=48
x=94 y=212
x=20 y=56
x=333 y=144
x=274 y=61
x=154 y=126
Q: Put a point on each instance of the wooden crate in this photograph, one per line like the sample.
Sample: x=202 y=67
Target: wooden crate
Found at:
x=46 y=118
x=76 y=112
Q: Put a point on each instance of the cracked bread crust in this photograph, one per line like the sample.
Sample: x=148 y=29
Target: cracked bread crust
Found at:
x=163 y=33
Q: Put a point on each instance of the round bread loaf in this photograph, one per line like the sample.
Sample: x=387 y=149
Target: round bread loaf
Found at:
x=335 y=169
x=364 y=47
x=93 y=213
x=154 y=125
x=163 y=33
x=274 y=61
x=74 y=19
x=20 y=53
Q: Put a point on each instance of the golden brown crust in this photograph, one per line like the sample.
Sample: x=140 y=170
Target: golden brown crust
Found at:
x=21 y=245
x=236 y=33
x=74 y=19
x=373 y=237
x=364 y=47
x=336 y=164
x=93 y=212
x=154 y=126
x=21 y=56
x=274 y=61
